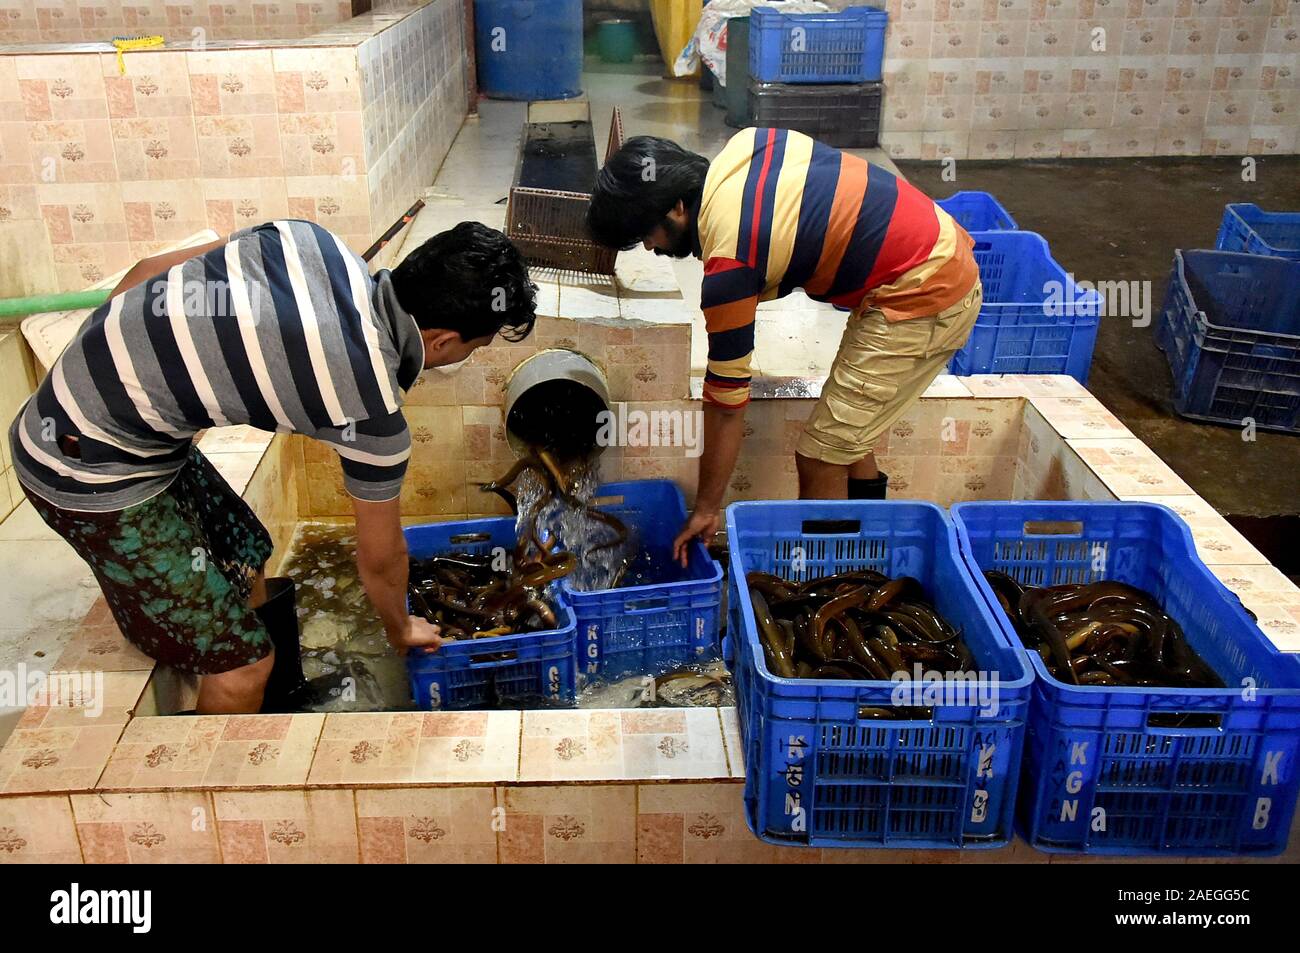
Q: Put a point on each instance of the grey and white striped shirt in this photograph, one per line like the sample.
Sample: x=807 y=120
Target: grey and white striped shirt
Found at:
x=282 y=328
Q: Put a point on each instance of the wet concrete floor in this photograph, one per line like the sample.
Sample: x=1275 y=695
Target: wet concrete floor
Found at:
x=1120 y=220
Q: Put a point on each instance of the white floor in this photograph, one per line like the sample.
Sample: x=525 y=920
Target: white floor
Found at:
x=45 y=592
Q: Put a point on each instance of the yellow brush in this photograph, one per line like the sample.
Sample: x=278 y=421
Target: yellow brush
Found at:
x=124 y=43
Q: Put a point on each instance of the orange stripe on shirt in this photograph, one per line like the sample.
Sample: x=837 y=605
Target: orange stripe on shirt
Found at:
x=729 y=316
x=847 y=204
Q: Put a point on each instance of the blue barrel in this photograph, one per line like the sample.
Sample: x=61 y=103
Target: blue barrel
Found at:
x=529 y=49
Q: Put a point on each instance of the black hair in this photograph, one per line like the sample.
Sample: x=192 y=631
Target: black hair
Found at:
x=639 y=186
x=470 y=279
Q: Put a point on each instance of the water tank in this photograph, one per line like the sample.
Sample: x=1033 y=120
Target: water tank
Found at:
x=529 y=49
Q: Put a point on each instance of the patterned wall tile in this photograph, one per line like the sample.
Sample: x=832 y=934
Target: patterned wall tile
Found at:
x=175 y=827
x=38 y=830
x=442 y=825
x=569 y=824
x=286 y=827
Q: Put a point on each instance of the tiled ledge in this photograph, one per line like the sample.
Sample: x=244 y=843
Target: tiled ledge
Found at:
x=651 y=786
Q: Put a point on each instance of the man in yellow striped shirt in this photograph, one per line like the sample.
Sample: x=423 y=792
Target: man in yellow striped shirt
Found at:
x=776 y=211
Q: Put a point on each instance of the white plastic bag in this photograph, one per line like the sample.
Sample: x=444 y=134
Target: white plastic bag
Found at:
x=710 y=39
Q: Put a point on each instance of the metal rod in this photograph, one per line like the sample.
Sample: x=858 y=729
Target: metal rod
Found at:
x=393 y=229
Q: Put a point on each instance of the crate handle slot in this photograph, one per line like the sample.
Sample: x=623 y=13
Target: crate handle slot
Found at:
x=832 y=527
x=1188 y=720
x=1053 y=527
x=646 y=605
x=493 y=658
x=608 y=500
x=870 y=713
x=462 y=538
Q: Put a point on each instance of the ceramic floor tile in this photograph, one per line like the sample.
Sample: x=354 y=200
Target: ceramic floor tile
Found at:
x=286 y=827
x=74 y=695
x=58 y=749
x=101 y=648
x=1274 y=599
x=235 y=439
x=236 y=468
x=1080 y=417
x=429 y=825
x=38 y=830
x=214 y=751
x=46 y=586
x=572 y=823
x=946 y=386
x=1218 y=542
x=25 y=523
x=1023 y=385
x=173 y=827
x=617 y=745
x=1130 y=468
x=417 y=748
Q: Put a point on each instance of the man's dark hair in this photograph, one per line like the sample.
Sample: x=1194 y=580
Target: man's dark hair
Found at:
x=639 y=186
x=470 y=279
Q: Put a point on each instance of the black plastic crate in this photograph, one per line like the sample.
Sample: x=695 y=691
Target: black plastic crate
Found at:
x=846 y=116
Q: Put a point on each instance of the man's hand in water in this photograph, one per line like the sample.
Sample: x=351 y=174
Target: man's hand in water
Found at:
x=420 y=636
x=703 y=523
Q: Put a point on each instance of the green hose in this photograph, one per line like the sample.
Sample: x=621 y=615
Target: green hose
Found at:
x=37 y=304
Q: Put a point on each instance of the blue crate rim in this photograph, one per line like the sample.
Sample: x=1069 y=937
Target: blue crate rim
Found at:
x=751 y=627
x=1036 y=661
x=1231 y=212
x=1202 y=319
x=460 y=647
x=1089 y=297
x=607 y=489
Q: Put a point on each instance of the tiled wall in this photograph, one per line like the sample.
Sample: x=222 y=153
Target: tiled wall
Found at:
x=413 y=100
x=1000 y=79
x=101 y=168
x=15 y=387
x=88 y=21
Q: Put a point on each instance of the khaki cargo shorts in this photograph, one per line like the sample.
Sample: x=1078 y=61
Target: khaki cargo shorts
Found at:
x=881 y=368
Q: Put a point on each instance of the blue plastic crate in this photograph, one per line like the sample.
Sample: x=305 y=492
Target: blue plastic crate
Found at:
x=1230 y=329
x=978 y=212
x=653 y=627
x=843 y=47
x=1248 y=228
x=534 y=666
x=1034 y=319
x=1226 y=788
x=816 y=773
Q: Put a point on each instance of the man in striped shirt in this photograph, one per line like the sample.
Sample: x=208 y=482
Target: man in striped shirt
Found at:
x=776 y=211
x=280 y=327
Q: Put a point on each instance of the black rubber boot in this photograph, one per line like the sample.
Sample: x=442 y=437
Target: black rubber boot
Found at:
x=287 y=690
x=869 y=489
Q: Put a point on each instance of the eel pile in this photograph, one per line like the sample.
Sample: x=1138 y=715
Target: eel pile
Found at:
x=469 y=598
x=1102 y=633
x=854 y=625
x=556 y=488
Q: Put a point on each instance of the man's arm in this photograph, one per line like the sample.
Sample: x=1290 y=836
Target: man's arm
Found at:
x=374 y=454
x=382 y=564
x=146 y=268
x=729 y=299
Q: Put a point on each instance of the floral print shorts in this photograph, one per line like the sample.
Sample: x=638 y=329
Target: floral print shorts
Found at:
x=177 y=569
